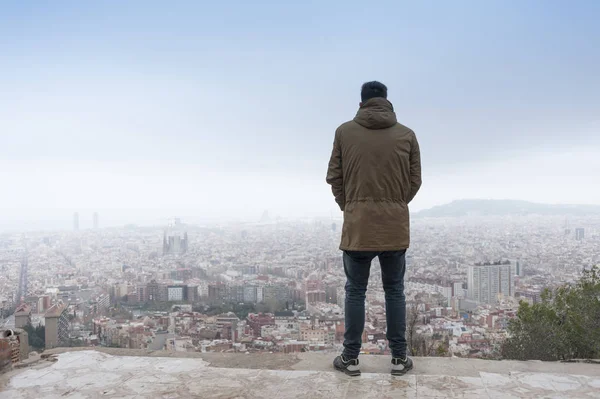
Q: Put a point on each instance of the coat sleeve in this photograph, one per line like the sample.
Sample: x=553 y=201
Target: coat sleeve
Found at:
x=415 y=169
x=335 y=176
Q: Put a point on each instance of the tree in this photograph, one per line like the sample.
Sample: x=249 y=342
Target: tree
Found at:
x=412 y=318
x=418 y=344
x=36 y=336
x=441 y=350
x=564 y=325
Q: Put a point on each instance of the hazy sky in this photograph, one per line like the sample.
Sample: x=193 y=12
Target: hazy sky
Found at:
x=143 y=109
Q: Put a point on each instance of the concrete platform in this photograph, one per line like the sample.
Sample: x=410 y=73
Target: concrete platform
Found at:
x=102 y=374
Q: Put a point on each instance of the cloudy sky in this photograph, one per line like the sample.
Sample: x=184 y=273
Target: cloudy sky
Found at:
x=142 y=110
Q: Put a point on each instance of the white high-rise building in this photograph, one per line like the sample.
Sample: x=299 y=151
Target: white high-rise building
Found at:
x=457 y=290
x=487 y=282
x=175 y=293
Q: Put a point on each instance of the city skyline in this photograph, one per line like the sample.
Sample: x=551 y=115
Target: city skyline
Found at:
x=279 y=287
x=466 y=207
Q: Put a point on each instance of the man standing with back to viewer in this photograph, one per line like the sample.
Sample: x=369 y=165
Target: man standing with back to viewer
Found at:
x=374 y=173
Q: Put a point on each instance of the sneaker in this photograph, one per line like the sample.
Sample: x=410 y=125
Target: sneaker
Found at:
x=350 y=366
x=401 y=365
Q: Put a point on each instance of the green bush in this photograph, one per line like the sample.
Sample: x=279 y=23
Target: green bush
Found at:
x=564 y=325
x=36 y=336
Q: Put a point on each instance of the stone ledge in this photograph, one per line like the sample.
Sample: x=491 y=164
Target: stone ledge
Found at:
x=88 y=373
x=315 y=361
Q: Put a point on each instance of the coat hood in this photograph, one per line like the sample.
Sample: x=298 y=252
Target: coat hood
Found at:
x=376 y=113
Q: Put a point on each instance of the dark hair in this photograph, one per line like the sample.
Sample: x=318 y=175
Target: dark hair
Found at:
x=373 y=89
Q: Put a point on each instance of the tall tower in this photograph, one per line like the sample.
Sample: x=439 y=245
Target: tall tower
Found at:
x=76 y=221
x=23 y=280
x=175 y=239
x=567 y=228
x=96 y=224
x=165 y=244
x=579 y=233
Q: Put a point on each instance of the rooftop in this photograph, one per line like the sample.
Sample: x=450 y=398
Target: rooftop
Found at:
x=156 y=374
x=55 y=311
x=22 y=309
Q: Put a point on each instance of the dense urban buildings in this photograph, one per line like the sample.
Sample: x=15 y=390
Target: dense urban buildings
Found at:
x=278 y=286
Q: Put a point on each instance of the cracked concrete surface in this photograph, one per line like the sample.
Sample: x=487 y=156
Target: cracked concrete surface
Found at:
x=101 y=374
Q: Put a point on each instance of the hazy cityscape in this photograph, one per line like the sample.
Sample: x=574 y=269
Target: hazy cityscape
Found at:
x=278 y=285
x=189 y=190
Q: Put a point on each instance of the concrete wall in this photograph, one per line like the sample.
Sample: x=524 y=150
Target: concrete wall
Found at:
x=51 y=332
x=22 y=320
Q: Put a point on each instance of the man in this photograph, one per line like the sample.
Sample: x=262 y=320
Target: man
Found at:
x=374 y=173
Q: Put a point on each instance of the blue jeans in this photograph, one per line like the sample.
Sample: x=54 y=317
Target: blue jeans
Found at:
x=357 y=266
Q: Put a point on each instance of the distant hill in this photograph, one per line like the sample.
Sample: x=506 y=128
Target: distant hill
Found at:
x=505 y=208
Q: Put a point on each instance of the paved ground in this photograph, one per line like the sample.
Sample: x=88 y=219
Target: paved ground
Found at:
x=98 y=374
